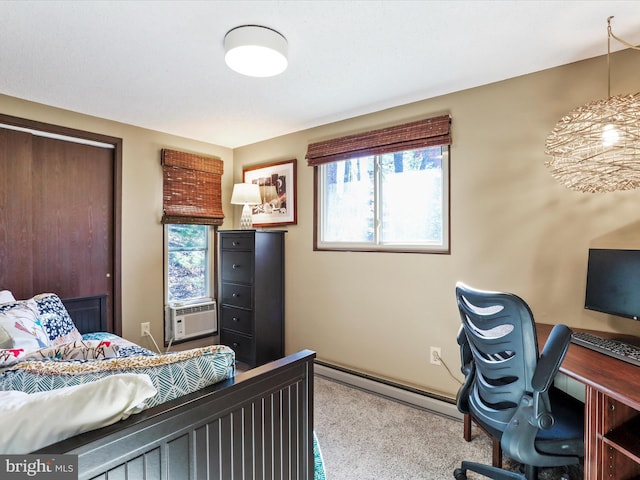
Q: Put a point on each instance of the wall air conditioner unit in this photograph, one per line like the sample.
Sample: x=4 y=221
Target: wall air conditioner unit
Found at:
x=192 y=320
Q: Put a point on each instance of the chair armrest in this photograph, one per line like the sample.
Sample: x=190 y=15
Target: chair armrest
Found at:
x=551 y=358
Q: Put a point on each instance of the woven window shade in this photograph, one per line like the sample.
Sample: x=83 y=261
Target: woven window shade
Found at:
x=430 y=132
x=192 y=188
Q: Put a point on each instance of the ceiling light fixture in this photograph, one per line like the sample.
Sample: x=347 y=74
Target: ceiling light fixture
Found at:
x=255 y=51
x=596 y=147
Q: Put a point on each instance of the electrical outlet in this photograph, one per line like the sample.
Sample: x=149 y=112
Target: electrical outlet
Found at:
x=145 y=329
x=434 y=355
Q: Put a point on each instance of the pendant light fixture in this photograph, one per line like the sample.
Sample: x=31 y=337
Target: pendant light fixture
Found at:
x=596 y=147
x=255 y=51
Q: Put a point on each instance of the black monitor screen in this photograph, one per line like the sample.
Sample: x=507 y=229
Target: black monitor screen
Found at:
x=613 y=282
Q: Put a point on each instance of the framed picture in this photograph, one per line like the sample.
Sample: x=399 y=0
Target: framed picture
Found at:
x=277 y=182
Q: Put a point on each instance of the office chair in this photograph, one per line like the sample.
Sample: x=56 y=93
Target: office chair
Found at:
x=508 y=388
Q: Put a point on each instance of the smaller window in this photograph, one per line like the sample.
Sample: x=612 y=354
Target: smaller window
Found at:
x=188 y=262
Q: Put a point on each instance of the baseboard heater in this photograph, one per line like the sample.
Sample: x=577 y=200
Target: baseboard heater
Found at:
x=401 y=393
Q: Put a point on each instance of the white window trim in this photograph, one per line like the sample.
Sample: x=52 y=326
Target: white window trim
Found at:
x=210 y=261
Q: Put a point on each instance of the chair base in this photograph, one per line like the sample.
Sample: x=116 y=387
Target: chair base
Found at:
x=494 y=473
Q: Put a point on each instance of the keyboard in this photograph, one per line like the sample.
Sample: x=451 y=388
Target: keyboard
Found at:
x=614 y=348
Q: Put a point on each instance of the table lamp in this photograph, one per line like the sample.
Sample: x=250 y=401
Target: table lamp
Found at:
x=246 y=194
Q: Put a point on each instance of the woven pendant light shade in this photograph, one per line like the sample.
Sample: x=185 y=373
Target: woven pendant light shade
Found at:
x=596 y=147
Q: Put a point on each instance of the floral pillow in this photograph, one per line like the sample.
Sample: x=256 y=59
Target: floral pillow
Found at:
x=56 y=320
x=82 y=350
x=21 y=322
x=9 y=356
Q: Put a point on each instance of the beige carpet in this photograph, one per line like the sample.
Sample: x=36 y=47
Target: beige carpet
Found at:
x=363 y=436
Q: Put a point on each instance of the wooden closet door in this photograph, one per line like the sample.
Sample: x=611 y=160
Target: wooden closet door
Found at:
x=57 y=220
x=73 y=217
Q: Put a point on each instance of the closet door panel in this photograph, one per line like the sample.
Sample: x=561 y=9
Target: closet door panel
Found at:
x=72 y=215
x=16 y=233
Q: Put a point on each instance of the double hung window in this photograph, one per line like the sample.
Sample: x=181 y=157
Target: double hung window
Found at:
x=188 y=263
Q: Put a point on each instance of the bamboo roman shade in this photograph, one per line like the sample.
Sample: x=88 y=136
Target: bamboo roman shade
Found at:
x=430 y=132
x=192 y=188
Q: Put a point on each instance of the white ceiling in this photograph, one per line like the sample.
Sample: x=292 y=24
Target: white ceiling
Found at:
x=159 y=64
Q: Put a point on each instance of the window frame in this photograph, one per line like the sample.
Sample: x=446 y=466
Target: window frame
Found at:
x=209 y=275
x=319 y=191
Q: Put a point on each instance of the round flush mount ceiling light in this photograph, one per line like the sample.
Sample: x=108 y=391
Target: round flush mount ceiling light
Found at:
x=255 y=51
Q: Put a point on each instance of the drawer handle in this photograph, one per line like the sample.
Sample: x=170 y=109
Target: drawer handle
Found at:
x=235 y=266
x=235 y=319
x=235 y=294
x=235 y=243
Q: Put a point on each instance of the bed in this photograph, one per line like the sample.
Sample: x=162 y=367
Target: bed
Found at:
x=255 y=424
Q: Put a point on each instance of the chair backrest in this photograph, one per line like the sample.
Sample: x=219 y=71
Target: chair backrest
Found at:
x=501 y=336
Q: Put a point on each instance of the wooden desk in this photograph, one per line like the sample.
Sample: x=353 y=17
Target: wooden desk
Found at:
x=612 y=410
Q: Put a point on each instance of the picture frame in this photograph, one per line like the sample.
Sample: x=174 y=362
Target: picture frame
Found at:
x=277 y=182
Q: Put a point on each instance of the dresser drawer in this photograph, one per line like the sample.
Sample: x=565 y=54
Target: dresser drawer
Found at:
x=237 y=295
x=237 y=267
x=237 y=320
x=243 y=345
x=236 y=242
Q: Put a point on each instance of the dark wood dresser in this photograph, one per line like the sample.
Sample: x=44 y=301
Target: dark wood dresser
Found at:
x=252 y=294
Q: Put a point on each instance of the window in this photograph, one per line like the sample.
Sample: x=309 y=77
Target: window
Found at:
x=395 y=201
x=191 y=210
x=188 y=262
x=386 y=190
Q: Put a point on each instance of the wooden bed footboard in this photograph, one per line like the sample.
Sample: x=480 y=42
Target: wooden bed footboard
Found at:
x=257 y=425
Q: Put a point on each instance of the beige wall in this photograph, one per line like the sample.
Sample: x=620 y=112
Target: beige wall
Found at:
x=513 y=227
x=142 y=233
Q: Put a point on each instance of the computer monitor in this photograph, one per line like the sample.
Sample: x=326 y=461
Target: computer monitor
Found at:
x=613 y=282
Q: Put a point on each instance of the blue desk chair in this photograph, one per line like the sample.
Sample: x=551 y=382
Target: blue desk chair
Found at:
x=508 y=388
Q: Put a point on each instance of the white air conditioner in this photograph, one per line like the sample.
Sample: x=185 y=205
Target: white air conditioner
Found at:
x=192 y=320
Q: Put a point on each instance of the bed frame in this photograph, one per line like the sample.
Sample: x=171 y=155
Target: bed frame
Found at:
x=258 y=424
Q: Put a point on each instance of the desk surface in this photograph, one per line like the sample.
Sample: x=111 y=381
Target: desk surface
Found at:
x=613 y=377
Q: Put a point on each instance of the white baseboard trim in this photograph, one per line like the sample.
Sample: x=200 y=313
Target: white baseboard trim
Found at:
x=408 y=397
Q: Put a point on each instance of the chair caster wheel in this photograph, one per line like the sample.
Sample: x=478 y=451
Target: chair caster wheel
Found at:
x=460 y=474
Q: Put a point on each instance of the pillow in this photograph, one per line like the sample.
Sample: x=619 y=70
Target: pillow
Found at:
x=9 y=356
x=20 y=321
x=83 y=350
x=6 y=296
x=127 y=348
x=56 y=320
x=32 y=421
x=173 y=374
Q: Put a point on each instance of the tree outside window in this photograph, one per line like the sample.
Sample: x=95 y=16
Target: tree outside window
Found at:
x=188 y=262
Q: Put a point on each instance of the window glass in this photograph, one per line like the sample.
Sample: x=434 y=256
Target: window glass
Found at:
x=187 y=262
x=348 y=201
x=395 y=201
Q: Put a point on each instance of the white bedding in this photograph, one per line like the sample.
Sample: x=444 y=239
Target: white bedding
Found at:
x=33 y=420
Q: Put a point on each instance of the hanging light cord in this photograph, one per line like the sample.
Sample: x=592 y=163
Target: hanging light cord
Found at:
x=609 y=52
x=617 y=38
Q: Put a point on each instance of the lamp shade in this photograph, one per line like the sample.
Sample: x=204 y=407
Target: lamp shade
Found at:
x=255 y=51
x=246 y=194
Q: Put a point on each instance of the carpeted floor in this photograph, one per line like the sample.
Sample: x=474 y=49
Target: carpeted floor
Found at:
x=363 y=436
